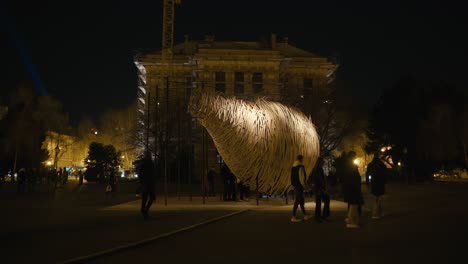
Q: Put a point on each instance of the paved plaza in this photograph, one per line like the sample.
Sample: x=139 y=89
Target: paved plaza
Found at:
x=423 y=223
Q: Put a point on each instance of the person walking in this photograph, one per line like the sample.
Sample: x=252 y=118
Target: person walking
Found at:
x=352 y=191
x=146 y=175
x=298 y=179
x=377 y=173
x=321 y=192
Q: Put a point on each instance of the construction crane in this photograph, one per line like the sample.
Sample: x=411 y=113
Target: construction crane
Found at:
x=168 y=30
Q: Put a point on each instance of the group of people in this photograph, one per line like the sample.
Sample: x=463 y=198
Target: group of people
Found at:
x=350 y=178
x=347 y=173
x=233 y=186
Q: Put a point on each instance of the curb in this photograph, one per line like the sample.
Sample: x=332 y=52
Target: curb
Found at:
x=147 y=241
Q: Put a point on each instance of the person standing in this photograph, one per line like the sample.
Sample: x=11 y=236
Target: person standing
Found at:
x=146 y=175
x=376 y=173
x=225 y=175
x=211 y=177
x=298 y=179
x=80 y=177
x=321 y=192
x=64 y=176
x=352 y=191
x=21 y=180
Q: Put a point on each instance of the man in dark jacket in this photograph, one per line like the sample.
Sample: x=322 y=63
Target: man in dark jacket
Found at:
x=321 y=192
x=352 y=190
x=376 y=173
x=298 y=179
x=146 y=175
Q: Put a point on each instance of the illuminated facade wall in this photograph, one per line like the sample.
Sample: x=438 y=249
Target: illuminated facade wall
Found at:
x=247 y=70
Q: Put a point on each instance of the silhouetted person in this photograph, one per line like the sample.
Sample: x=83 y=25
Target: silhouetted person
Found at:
x=59 y=177
x=21 y=180
x=243 y=190
x=146 y=175
x=211 y=178
x=298 y=179
x=64 y=176
x=232 y=182
x=377 y=173
x=321 y=192
x=32 y=175
x=352 y=191
x=225 y=175
x=80 y=177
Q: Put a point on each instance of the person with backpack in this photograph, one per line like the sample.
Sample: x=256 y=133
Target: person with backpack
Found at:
x=377 y=173
x=298 y=179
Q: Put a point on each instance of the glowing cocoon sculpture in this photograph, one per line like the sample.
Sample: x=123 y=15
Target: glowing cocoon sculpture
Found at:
x=257 y=139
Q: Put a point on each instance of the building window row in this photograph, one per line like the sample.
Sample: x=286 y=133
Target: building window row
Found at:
x=239 y=82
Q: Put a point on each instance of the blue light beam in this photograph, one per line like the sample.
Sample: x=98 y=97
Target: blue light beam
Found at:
x=23 y=53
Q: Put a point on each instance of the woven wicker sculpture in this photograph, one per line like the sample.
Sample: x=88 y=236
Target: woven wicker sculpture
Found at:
x=257 y=139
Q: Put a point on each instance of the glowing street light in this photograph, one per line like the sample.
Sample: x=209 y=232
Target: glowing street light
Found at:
x=49 y=163
x=356 y=161
x=95 y=132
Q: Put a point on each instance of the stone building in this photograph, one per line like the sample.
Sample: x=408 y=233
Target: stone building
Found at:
x=275 y=70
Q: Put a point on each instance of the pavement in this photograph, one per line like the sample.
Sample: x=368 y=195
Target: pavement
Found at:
x=422 y=223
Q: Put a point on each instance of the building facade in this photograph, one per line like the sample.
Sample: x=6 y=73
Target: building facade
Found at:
x=276 y=71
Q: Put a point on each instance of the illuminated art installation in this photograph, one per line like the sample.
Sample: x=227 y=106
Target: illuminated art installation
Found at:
x=257 y=139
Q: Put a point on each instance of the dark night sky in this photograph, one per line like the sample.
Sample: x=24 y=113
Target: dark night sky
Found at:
x=82 y=50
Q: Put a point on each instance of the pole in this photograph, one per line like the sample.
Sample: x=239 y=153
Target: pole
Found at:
x=166 y=140
x=157 y=141
x=178 y=144
x=14 y=163
x=203 y=166
x=148 y=122
x=256 y=187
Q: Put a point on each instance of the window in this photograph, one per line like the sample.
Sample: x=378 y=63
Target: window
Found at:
x=308 y=88
x=257 y=82
x=220 y=82
x=238 y=83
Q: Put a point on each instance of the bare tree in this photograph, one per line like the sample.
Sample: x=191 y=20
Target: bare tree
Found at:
x=329 y=111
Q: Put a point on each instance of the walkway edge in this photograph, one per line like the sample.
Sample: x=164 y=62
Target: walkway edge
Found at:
x=148 y=240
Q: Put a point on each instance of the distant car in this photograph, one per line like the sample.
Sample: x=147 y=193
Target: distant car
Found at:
x=451 y=175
